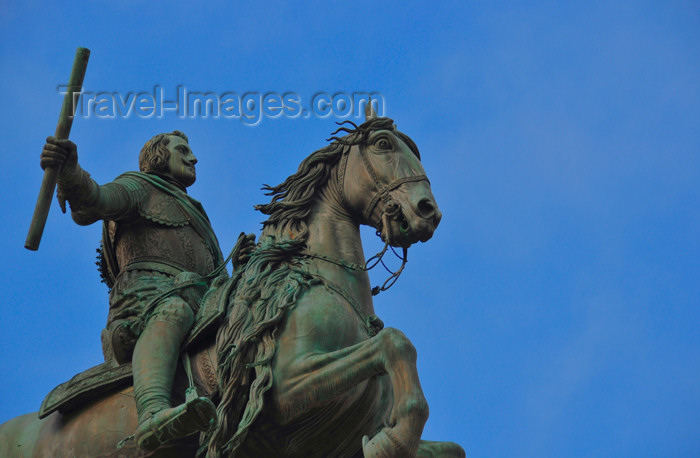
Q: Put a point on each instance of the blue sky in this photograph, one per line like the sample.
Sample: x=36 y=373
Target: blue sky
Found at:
x=555 y=311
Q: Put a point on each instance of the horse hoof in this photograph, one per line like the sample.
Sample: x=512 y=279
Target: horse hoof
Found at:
x=383 y=445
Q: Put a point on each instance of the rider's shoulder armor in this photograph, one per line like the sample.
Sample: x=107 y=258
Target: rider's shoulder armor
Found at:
x=153 y=204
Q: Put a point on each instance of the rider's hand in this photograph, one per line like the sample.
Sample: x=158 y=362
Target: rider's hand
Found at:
x=246 y=245
x=59 y=153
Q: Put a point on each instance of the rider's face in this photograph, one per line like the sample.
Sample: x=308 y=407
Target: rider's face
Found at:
x=181 y=162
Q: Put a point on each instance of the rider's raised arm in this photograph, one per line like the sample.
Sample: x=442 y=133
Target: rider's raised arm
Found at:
x=89 y=201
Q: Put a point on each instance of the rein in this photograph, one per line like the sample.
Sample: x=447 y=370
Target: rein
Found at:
x=391 y=210
x=376 y=259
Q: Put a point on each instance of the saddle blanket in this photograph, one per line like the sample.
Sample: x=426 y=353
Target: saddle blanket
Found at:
x=110 y=375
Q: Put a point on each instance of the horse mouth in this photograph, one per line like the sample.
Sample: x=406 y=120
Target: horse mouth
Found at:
x=399 y=233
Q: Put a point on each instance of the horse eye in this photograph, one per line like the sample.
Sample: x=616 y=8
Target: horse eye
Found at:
x=383 y=143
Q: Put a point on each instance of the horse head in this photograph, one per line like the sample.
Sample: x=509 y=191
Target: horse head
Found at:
x=383 y=184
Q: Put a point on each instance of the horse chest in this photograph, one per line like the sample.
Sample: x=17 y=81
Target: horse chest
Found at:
x=326 y=320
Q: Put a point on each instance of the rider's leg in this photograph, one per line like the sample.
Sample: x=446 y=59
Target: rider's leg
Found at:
x=154 y=362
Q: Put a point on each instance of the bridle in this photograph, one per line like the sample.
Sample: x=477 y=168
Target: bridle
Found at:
x=391 y=210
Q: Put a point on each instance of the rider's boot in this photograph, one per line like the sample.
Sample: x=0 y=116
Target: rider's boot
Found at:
x=154 y=362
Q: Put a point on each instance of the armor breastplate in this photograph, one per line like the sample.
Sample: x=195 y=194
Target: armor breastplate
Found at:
x=147 y=240
x=159 y=231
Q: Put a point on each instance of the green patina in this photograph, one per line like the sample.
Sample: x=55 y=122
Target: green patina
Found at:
x=303 y=366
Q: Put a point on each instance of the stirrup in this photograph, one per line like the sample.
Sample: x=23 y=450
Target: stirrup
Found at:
x=198 y=414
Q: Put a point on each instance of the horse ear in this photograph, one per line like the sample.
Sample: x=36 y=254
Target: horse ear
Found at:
x=369 y=110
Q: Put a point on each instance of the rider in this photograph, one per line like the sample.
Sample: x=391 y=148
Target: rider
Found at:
x=152 y=232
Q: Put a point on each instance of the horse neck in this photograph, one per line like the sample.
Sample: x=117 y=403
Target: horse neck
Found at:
x=334 y=234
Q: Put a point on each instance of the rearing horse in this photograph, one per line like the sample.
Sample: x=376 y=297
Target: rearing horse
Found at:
x=302 y=339
x=304 y=368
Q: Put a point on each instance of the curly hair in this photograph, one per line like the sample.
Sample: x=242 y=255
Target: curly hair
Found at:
x=154 y=155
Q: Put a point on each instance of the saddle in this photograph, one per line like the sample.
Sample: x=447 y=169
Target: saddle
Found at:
x=110 y=375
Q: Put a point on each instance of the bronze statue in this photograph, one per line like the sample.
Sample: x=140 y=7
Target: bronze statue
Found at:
x=300 y=365
x=153 y=231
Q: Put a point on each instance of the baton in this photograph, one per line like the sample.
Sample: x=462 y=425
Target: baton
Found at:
x=65 y=121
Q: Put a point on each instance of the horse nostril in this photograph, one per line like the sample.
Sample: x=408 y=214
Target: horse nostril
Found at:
x=426 y=209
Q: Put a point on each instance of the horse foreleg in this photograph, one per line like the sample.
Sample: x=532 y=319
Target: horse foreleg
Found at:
x=303 y=383
x=410 y=412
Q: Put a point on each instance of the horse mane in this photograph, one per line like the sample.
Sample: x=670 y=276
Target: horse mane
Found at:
x=291 y=200
x=270 y=284
x=272 y=281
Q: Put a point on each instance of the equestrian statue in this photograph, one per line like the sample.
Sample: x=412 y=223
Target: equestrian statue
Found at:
x=283 y=358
